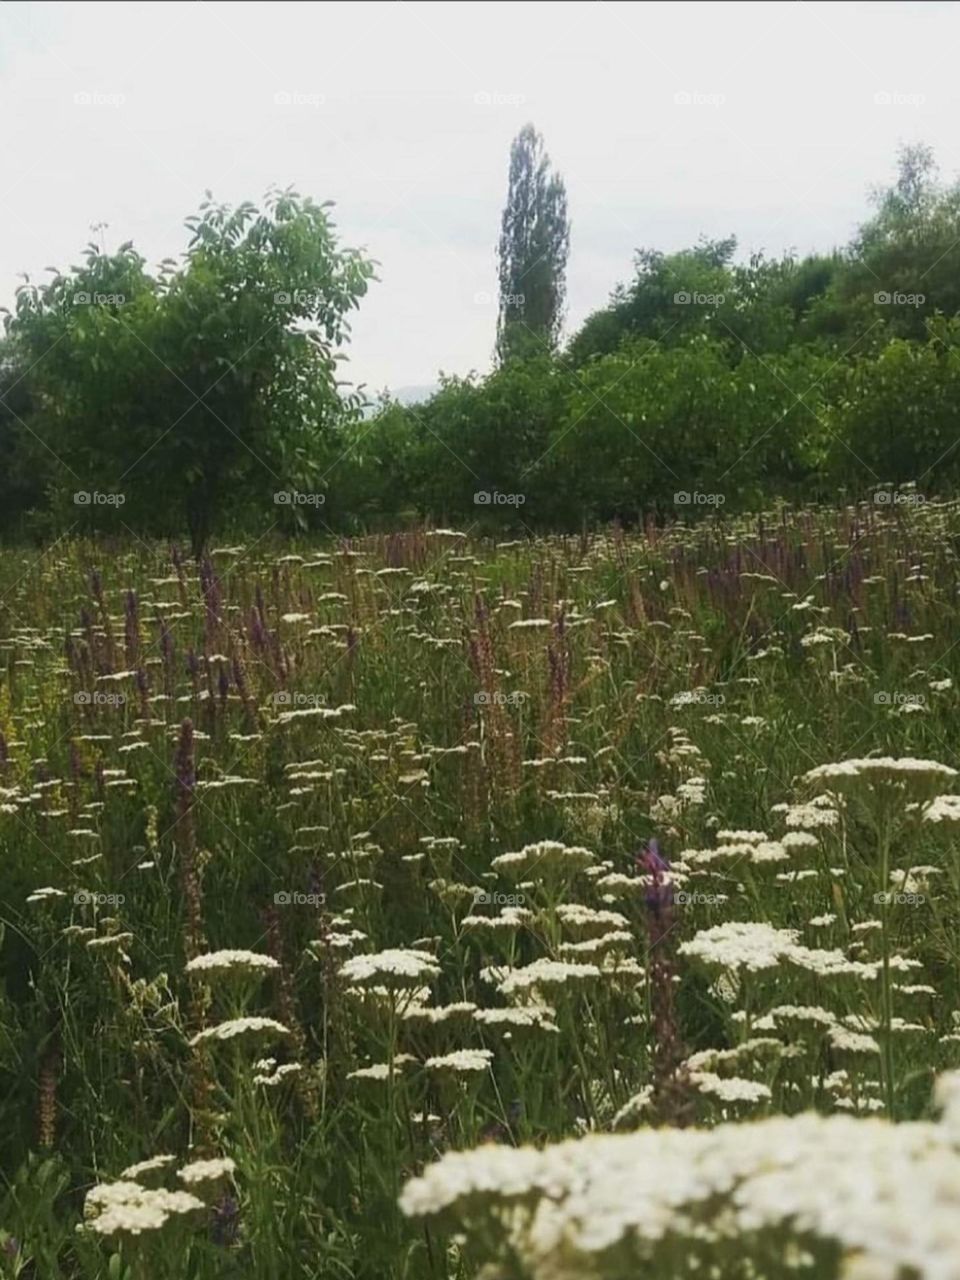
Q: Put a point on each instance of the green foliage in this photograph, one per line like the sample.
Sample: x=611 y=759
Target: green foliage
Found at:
x=199 y=392
x=210 y=384
x=534 y=243
x=398 y=715
x=897 y=416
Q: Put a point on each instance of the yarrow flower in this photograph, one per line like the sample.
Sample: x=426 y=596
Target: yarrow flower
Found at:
x=116 y=1208
x=881 y=770
x=231 y=961
x=392 y=968
x=136 y=1171
x=883 y=1194
x=235 y=1027
x=544 y=856
x=206 y=1170
x=461 y=1061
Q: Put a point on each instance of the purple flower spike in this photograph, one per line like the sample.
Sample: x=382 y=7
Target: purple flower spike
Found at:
x=659 y=894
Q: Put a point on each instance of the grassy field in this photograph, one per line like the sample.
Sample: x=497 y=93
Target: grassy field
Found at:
x=321 y=864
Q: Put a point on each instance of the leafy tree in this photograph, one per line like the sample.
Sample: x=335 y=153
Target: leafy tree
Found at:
x=22 y=471
x=895 y=417
x=758 y=307
x=534 y=243
x=211 y=384
x=902 y=267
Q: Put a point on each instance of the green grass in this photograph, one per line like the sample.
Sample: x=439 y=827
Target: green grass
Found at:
x=457 y=737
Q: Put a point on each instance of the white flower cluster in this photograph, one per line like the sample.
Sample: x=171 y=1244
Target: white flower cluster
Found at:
x=730 y=1088
x=113 y=1208
x=735 y=945
x=461 y=1061
x=880 y=770
x=206 y=1170
x=539 y=1016
x=887 y=1197
x=943 y=809
x=391 y=968
x=588 y=921
x=539 y=974
x=381 y=1070
x=819 y=811
x=754 y=946
x=224 y=961
x=235 y=1027
x=753 y=851
x=544 y=855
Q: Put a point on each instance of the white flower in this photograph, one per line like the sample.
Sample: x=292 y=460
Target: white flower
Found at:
x=943 y=809
x=587 y=921
x=206 y=1170
x=546 y=855
x=225 y=961
x=318 y=713
x=734 y=945
x=510 y=918
x=135 y=1171
x=462 y=1061
x=730 y=1088
x=394 y=967
x=531 y=1015
x=436 y=1014
x=538 y=974
x=381 y=1070
x=271 y=1078
x=880 y=770
x=114 y=1208
x=872 y=1190
x=46 y=893
x=241 y=1027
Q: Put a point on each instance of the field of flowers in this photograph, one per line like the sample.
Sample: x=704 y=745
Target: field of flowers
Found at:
x=426 y=906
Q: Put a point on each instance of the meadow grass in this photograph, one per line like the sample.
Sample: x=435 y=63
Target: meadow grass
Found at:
x=322 y=863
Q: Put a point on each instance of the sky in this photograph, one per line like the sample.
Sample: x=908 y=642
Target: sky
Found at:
x=770 y=121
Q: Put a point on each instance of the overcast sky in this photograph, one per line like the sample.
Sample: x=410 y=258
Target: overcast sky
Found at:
x=768 y=120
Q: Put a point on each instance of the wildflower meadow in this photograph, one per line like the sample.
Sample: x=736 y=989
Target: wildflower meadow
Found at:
x=427 y=905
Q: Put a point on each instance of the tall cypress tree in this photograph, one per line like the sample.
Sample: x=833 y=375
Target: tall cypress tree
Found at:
x=534 y=243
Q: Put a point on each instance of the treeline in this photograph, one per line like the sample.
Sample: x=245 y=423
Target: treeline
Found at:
x=708 y=382
x=210 y=396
